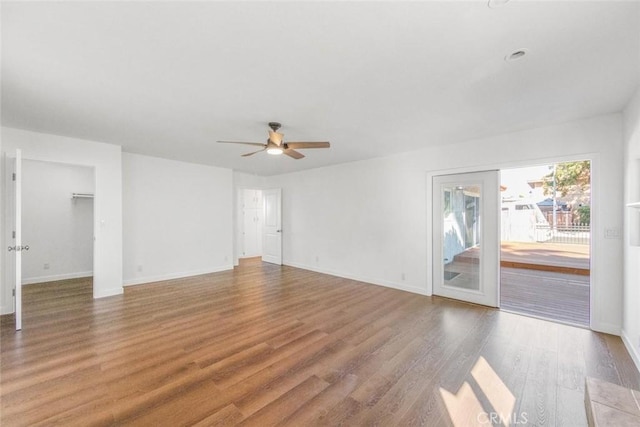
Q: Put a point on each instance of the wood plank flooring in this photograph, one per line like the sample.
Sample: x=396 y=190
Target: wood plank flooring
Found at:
x=269 y=345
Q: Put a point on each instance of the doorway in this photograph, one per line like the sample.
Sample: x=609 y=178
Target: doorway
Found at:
x=545 y=241
x=57 y=219
x=272 y=229
x=250 y=221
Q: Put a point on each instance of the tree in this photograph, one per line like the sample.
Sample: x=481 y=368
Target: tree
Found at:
x=584 y=214
x=568 y=176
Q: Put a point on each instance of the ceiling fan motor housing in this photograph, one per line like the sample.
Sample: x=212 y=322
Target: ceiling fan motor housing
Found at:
x=274 y=126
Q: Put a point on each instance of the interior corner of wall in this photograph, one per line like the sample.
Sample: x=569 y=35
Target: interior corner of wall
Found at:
x=607 y=328
x=633 y=350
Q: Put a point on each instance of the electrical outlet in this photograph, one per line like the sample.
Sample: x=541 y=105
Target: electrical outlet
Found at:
x=317 y=259
x=403 y=277
x=139 y=268
x=46 y=266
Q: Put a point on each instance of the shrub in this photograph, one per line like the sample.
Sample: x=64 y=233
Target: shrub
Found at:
x=584 y=214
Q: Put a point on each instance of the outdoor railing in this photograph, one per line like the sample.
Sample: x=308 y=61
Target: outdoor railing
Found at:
x=577 y=234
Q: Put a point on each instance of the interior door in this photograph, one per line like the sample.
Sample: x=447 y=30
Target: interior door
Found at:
x=16 y=248
x=466 y=246
x=272 y=226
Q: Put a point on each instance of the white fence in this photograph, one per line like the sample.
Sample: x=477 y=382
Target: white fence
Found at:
x=577 y=234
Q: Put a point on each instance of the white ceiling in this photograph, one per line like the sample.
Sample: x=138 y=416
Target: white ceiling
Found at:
x=168 y=79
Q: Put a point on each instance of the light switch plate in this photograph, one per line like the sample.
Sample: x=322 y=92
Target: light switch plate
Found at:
x=612 y=233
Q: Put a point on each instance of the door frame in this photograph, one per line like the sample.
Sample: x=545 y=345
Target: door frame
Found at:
x=8 y=157
x=278 y=227
x=239 y=215
x=595 y=217
x=238 y=192
x=16 y=183
x=593 y=158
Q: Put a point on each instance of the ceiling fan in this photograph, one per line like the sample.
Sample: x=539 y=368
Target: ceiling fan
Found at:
x=276 y=145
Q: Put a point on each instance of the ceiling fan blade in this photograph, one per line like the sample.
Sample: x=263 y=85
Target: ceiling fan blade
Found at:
x=308 y=144
x=276 y=137
x=251 y=154
x=293 y=153
x=257 y=144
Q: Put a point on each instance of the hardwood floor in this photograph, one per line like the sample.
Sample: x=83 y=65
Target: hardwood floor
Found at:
x=265 y=345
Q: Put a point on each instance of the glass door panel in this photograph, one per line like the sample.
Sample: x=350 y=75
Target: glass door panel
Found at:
x=465 y=243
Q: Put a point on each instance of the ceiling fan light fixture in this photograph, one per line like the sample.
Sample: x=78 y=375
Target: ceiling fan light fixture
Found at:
x=275 y=151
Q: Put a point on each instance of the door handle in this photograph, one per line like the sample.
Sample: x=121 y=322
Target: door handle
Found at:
x=278 y=231
x=18 y=248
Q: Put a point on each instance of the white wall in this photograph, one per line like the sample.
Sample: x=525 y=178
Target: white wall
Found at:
x=58 y=228
x=6 y=299
x=178 y=219
x=368 y=220
x=631 y=324
x=363 y=220
x=106 y=161
x=246 y=180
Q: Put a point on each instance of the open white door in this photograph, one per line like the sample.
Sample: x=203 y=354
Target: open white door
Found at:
x=16 y=249
x=272 y=226
x=466 y=246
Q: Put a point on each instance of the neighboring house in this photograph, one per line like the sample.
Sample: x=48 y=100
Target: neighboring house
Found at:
x=577 y=196
x=537 y=189
x=520 y=221
x=566 y=205
x=546 y=205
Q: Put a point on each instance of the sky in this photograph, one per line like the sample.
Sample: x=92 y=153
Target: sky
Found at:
x=516 y=181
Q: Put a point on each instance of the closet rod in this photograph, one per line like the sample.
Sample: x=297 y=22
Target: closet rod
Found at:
x=81 y=196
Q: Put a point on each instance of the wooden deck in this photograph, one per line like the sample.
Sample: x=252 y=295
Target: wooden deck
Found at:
x=555 y=257
x=549 y=295
x=546 y=280
x=558 y=257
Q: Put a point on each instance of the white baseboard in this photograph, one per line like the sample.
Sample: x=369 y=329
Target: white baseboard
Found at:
x=632 y=349
x=171 y=276
x=6 y=309
x=369 y=280
x=54 y=277
x=107 y=292
x=606 y=328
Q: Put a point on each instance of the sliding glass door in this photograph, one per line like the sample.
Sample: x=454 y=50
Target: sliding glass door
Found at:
x=466 y=237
